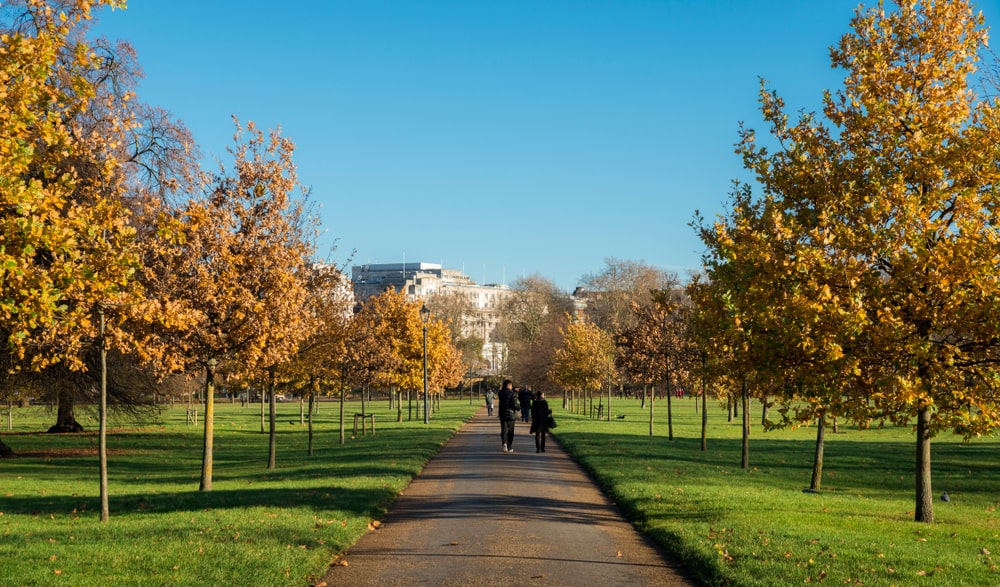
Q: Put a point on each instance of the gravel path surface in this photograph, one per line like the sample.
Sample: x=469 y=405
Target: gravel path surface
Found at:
x=477 y=516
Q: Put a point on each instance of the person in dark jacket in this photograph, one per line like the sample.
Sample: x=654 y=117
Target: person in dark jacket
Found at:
x=540 y=420
x=524 y=398
x=508 y=408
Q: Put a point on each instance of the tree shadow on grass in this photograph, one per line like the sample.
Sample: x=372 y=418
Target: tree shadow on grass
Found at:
x=160 y=472
x=871 y=466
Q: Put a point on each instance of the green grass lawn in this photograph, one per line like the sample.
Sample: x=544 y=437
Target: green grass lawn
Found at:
x=257 y=526
x=284 y=527
x=756 y=527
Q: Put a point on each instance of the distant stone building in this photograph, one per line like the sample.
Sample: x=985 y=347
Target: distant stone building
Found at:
x=420 y=281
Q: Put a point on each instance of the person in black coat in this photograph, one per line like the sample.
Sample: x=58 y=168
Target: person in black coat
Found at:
x=524 y=397
x=540 y=413
x=508 y=408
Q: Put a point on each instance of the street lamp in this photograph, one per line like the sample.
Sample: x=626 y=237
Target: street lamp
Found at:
x=425 y=316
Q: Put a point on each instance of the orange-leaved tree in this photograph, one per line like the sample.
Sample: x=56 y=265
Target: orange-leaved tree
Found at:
x=234 y=261
x=320 y=358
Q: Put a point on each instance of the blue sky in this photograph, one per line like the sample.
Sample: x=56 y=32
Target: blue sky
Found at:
x=505 y=138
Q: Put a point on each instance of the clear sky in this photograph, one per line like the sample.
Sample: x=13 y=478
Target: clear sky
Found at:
x=502 y=137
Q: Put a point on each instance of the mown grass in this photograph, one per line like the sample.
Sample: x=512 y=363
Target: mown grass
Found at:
x=256 y=527
x=731 y=526
x=756 y=527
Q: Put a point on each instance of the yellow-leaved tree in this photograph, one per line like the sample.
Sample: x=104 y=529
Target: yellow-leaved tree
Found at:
x=66 y=243
x=891 y=206
x=585 y=360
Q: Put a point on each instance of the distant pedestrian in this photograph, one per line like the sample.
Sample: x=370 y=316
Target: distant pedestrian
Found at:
x=540 y=413
x=524 y=398
x=508 y=414
x=490 y=396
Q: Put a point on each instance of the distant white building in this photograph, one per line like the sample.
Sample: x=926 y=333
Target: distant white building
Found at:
x=419 y=281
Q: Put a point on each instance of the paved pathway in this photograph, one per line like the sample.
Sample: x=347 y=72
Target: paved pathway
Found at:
x=477 y=516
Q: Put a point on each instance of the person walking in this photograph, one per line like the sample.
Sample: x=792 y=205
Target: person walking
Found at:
x=540 y=413
x=508 y=414
x=490 y=396
x=524 y=398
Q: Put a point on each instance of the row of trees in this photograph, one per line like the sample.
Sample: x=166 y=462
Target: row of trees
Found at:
x=120 y=256
x=862 y=282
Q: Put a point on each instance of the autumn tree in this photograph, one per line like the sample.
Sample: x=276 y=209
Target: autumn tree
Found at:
x=316 y=363
x=234 y=262
x=897 y=188
x=584 y=360
x=66 y=244
x=369 y=358
x=87 y=135
x=656 y=348
x=735 y=311
x=454 y=308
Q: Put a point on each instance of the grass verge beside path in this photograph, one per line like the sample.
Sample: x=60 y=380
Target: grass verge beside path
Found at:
x=257 y=527
x=756 y=527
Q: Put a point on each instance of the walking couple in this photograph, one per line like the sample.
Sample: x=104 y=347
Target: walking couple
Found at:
x=509 y=406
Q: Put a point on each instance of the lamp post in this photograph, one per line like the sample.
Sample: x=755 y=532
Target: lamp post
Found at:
x=425 y=316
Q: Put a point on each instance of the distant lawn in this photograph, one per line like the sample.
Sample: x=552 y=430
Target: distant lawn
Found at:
x=757 y=528
x=257 y=527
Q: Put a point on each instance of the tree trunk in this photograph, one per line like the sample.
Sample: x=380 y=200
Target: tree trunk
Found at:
x=704 y=417
x=343 y=399
x=704 y=409
x=763 y=411
x=925 y=500
x=209 y=438
x=263 y=397
x=652 y=394
x=102 y=436
x=670 y=410
x=65 y=418
x=6 y=452
x=272 y=410
x=312 y=398
x=817 y=475
x=745 y=460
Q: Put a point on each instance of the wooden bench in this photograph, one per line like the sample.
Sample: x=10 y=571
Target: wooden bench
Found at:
x=365 y=418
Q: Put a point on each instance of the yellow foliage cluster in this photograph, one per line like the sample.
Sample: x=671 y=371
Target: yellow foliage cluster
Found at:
x=863 y=281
